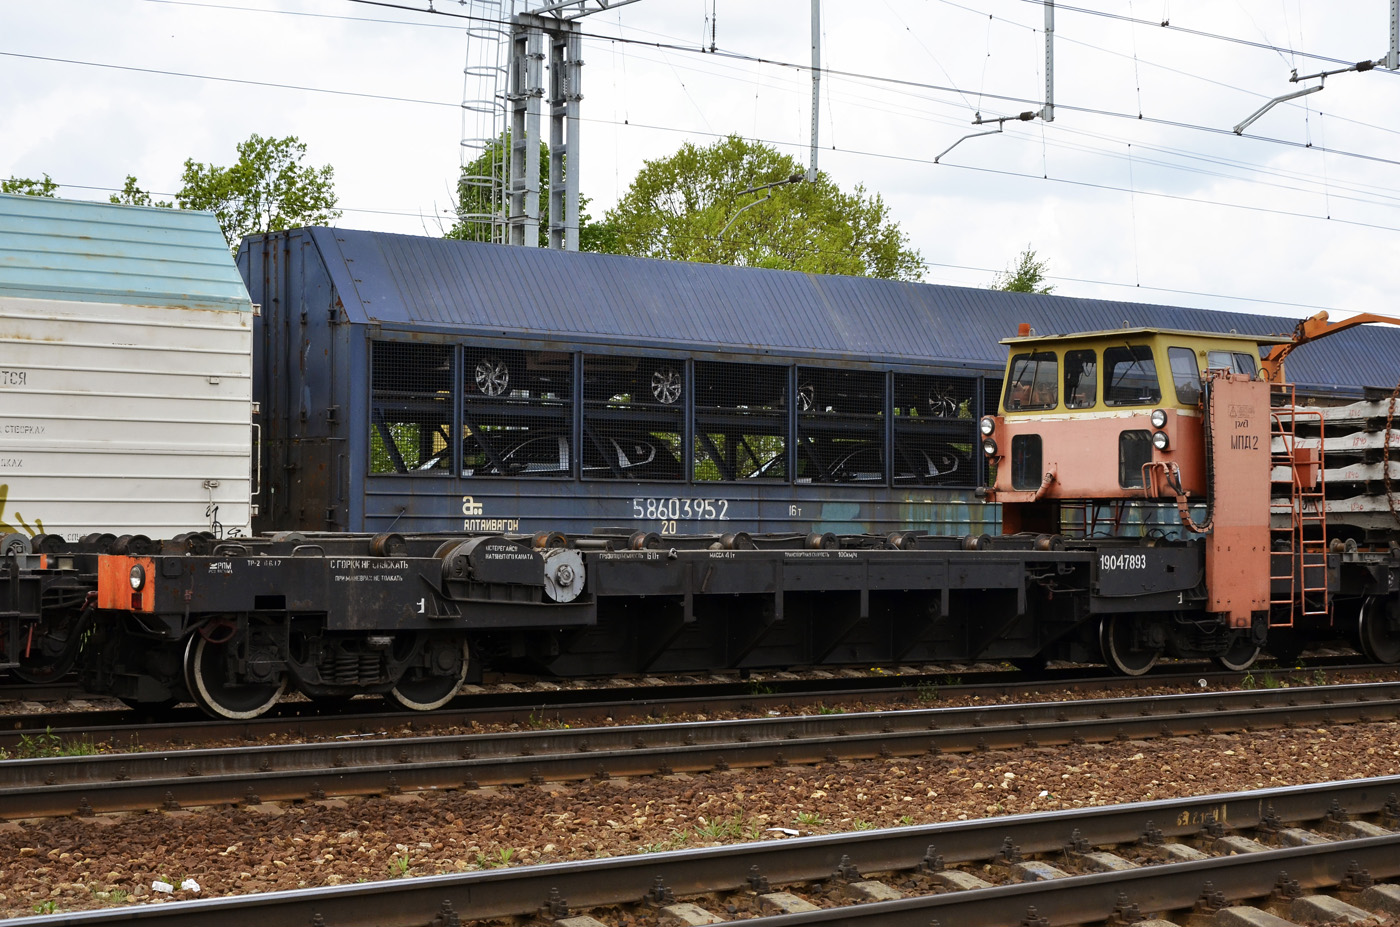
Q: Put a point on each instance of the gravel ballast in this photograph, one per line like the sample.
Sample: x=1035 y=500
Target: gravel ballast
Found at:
x=78 y=863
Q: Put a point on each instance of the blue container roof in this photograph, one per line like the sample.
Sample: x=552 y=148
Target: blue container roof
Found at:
x=100 y=252
x=415 y=283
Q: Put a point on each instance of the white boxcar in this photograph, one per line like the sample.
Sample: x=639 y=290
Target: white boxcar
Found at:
x=125 y=372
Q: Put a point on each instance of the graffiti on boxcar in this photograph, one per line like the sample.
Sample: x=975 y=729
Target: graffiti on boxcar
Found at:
x=23 y=526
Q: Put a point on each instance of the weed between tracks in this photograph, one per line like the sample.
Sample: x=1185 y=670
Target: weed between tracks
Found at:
x=503 y=857
x=48 y=744
x=735 y=827
x=399 y=866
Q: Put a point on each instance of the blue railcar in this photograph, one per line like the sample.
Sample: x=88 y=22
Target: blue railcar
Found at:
x=413 y=385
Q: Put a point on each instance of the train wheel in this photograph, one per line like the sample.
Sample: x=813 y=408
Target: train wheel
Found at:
x=420 y=691
x=206 y=674
x=1121 y=654
x=1379 y=631
x=1241 y=655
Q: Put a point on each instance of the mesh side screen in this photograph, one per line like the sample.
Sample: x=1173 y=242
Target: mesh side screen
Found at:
x=840 y=426
x=410 y=429
x=934 y=430
x=517 y=413
x=741 y=421
x=991 y=395
x=633 y=417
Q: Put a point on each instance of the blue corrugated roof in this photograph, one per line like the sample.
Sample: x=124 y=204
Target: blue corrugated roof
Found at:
x=471 y=287
x=100 y=252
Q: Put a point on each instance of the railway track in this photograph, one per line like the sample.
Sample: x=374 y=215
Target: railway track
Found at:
x=511 y=705
x=357 y=765
x=1315 y=853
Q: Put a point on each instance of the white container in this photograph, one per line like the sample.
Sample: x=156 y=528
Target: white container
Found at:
x=125 y=373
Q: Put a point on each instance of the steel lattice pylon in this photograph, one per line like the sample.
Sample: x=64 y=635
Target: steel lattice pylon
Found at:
x=500 y=200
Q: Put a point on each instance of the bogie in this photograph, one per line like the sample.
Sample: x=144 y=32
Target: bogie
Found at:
x=234 y=672
x=434 y=668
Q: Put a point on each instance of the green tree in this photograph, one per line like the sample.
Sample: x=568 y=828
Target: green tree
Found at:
x=26 y=187
x=133 y=195
x=1028 y=276
x=268 y=189
x=475 y=206
x=746 y=203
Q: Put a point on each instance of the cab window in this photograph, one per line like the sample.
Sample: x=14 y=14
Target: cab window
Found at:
x=1130 y=376
x=1234 y=361
x=1025 y=462
x=1081 y=379
x=1186 y=375
x=1034 y=381
x=1134 y=452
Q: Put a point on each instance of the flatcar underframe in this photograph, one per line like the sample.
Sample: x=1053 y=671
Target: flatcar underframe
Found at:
x=233 y=625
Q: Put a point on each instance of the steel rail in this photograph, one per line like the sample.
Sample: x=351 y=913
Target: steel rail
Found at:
x=648 y=703
x=625 y=880
x=138 y=781
x=1090 y=898
x=40 y=692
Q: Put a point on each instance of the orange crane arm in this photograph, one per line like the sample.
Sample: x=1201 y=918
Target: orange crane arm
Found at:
x=1311 y=329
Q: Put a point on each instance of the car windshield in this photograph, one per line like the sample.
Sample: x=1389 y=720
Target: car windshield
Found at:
x=1034 y=382
x=1130 y=376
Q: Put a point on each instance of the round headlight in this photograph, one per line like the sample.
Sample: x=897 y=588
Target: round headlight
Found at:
x=989 y=447
x=1159 y=418
x=1159 y=440
x=988 y=425
x=138 y=577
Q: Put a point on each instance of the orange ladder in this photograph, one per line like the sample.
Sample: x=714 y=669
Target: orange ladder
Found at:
x=1303 y=574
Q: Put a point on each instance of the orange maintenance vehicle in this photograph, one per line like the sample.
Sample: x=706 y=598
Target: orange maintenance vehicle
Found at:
x=1163 y=440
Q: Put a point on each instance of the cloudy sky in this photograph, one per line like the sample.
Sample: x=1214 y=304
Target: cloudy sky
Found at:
x=1138 y=190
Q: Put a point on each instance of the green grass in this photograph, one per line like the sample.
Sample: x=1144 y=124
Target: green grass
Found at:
x=399 y=866
x=675 y=841
x=810 y=819
x=502 y=857
x=736 y=826
x=50 y=744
